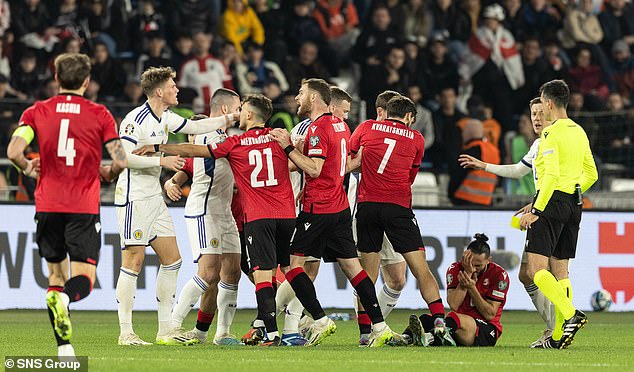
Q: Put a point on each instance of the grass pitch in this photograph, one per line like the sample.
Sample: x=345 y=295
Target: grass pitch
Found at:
x=605 y=343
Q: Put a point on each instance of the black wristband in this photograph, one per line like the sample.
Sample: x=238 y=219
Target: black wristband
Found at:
x=288 y=149
x=156 y=148
x=536 y=212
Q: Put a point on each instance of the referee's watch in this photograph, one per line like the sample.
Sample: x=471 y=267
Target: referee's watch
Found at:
x=536 y=212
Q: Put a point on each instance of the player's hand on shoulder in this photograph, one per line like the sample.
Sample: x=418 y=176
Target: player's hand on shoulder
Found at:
x=281 y=136
x=144 y=150
x=173 y=191
x=468 y=161
x=174 y=163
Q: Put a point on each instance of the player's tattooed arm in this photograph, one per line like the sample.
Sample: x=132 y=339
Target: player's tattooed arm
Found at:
x=184 y=149
x=15 y=153
x=119 y=161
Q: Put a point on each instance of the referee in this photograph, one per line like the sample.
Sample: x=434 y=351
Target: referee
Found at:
x=564 y=170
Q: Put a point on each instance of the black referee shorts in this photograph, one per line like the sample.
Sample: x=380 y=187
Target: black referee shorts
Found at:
x=327 y=236
x=397 y=222
x=75 y=235
x=267 y=243
x=556 y=231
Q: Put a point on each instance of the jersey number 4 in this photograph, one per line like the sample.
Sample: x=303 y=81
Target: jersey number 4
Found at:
x=255 y=158
x=390 y=147
x=65 y=145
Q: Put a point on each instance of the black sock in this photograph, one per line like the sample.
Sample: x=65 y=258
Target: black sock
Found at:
x=427 y=321
x=77 y=287
x=305 y=292
x=451 y=323
x=265 y=296
x=365 y=325
x=367 y=295
x=60 y=342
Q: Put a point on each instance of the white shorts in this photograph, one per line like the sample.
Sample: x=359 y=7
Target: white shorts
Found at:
x=212 y=234
x=388 y=255
x=142 y=221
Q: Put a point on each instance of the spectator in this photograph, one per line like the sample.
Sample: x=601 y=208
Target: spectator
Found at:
x=66 y=19
x=49 y=89
x=576 y=105
x=472 y=8
x=241 y=24
x=448 y=16
x=31 y=25
x=477 y=110
x=306 y=66
x=230 y=59
x=587 y=78
x=520 y=144
x=252 y=74
x=397 y=15
x=538 y=19
x=286 y=117
x=424 y=123
x=513 y=15
x=390 y=75
x=447 y=136
x=438 y=70
x=146 y=23
x=302 y=27
x=280 y=118
x=274 y=23
x=536 y=72
x=494 y=64
x=376 y=39
x=623 y=67
x=617 y=21
x=615 y=133
x=27 y=77
x=108 y=72
x=557 y=59
x=580 y=26
x=183 y=50
x=188 y=17
x=338 y=21
x=5 y=17
x=155 y=56
x=5 y=64
x=418 y=22
x=133 y=93
x=412 y=59
x=105 y=22
x=203 y=73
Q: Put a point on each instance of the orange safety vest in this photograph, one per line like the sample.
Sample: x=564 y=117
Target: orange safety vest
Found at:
x=479 y=185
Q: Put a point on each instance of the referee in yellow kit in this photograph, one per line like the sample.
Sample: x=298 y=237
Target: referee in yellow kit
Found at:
x=565 y=169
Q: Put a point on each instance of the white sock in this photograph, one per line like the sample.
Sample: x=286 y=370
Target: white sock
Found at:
x=355 y=301
x=227 y=303
x=272 y=335
x=388 y=298
x=65 y=350
x=126 y=288
x=322 y=321
x=65 y=298
x=188 y=297
x=293 y=315
x=378 y=327
x=283 y=296
x=258 y=323
x=165 y=293
x=542 y=304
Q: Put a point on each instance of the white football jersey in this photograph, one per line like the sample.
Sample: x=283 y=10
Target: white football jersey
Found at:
x=529 y=158
x=212 y=182
x=142 y=127
x=297 y=178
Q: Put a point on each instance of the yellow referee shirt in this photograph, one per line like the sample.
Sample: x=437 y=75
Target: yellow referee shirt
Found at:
x=564 y=159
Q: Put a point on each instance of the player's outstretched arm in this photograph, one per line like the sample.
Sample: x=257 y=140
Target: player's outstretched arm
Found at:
x=207 y=125
x=184 y=149
x=515 y=171
x=15 y=151
x=310 y=166
x=119 y=161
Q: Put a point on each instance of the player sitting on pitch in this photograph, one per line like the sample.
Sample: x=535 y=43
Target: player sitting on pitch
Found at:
x=476 y=293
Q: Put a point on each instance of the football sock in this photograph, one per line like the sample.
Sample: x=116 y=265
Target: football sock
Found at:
x=191 y=292
x=559 y=318
x=265 y=296
x=427 y=321
x=388 y=298
x=366 y=292
x=436 y=309
x=227 y=302
x=452 y=321
x=204 y=321
x=165 y=293
x=555 y=293
x=305 y=291
x=258 y=323
x=365 y=324
x=51 y=317
x=274 y=282
x=65 y=350
x=293 y=315
x=126 y=288
x=542 y=304
x=284 y=296
x=77 y=288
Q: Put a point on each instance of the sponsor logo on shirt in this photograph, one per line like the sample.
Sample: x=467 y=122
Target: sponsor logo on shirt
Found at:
x=498 y=293
x=314 y=152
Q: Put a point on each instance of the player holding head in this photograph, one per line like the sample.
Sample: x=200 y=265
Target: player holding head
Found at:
x=565 y=169
x=476 y=294
x=392 y=154
x=142 y=213
x=261 y=172
x=213 y=234
x=71 y=131
x=522 y=168
x=324 y=226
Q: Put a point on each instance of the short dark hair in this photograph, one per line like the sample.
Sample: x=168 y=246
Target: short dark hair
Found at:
x=221 y=96
x=399 y=106
x=262 y=105
x=479 y=245
x=556 y=91
x=338 y=94
x=383 y=98
x=534 y=101
x=320 y=86
x=72 y=69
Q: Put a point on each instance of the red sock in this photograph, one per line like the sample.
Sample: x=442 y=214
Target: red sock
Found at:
x=436 y=308
x=55 y=288
x=365 y=325
x=204 y=321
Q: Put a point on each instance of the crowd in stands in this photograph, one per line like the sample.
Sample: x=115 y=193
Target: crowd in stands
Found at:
x=456 y=59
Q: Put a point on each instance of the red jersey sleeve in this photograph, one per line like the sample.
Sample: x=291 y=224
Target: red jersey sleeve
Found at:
x=109 y=126
x=27 y=117
x=189 y=167
x=499 y=287
x=355 y=140
x=222 y=150
x=317 y=140
x=452 y=275
x=420 y=150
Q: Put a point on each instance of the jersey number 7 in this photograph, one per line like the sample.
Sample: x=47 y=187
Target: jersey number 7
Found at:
x=390 y=147
x=65 y=145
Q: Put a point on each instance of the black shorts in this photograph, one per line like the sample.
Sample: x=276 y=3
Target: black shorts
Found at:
x=397 y=222
x=268 y=243
x=555 y=232
x=327 y=236
x=77 y=236
x=244 y=263
x=486 y=334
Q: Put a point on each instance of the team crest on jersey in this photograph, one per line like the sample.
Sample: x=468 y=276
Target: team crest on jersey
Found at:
x=485 y=281
x=215 y=242
x=449 y=278
x=138 y=234
x=129 y=129
x=502 y=284
x=314 y=140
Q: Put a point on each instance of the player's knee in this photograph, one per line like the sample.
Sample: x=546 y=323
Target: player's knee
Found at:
x=524 y=276
x=210 y=276
x=397 y=283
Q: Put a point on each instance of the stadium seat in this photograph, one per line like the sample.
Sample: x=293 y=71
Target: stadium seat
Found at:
x=425 y=190
x=621 y=185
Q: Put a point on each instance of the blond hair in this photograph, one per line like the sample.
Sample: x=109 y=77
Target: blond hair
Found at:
x=154 y=77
